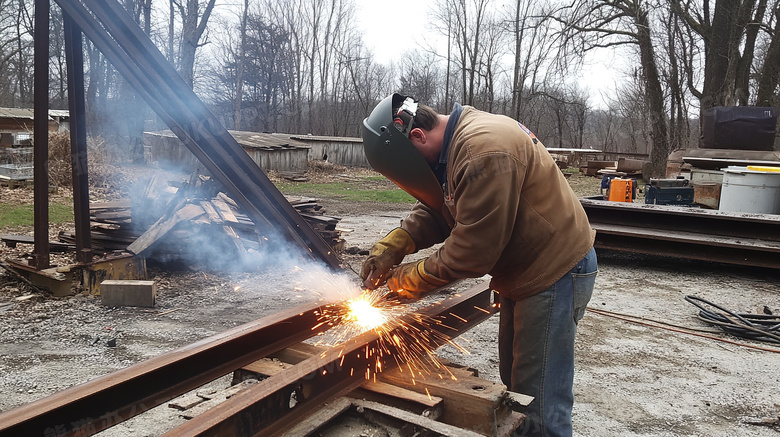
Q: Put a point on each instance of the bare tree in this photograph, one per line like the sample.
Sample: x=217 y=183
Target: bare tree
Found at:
x=240 y=63
x=729 y=31
x=610 y=23
x=532 y=31
x=194 y=17
x=769 y=71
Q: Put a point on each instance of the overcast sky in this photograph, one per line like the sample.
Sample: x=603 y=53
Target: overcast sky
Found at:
x=390 y=28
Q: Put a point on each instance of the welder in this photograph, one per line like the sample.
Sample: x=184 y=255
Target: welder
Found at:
x=489 y=190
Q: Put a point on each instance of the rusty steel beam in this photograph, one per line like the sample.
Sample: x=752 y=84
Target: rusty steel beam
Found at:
x=108 y=400
x=40 y=259
x=74 y=59
x=706 y=235
x=99 y=404
x=275 y=404
x=136 y=58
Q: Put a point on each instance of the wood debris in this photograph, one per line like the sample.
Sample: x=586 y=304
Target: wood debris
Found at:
x=192 y=222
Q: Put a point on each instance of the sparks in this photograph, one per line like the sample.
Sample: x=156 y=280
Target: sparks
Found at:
x=403 y=334
x=362 y=312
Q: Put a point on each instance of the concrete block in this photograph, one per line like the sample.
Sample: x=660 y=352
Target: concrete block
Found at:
x=128 y=293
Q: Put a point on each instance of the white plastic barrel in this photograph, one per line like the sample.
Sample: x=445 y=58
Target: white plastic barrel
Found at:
x=751 y=189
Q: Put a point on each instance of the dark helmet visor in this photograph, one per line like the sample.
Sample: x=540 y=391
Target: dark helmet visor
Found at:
x=391 y=153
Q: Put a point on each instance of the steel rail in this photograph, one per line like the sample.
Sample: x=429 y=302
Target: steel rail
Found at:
x=106 y=401
x=275 y=404
x=706 y=235
x=136 y=58
x=99 y=404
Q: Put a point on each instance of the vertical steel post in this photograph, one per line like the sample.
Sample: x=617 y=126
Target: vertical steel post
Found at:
x=74 y=56
x=41 y=136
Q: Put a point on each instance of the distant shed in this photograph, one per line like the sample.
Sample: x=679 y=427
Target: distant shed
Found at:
x=270 y=151
x=336 y=150
x=16 y=125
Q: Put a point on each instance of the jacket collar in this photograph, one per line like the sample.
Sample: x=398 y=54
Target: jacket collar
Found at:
x=440 y=168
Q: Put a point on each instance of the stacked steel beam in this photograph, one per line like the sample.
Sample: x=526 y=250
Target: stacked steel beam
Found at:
x=123 y=43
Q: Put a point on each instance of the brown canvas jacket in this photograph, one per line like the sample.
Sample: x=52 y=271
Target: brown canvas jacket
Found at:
x=508 y=211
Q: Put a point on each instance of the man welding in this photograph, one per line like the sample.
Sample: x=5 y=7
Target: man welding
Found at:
x=491 y=192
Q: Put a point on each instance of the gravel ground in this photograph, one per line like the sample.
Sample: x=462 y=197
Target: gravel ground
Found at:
x=631 y=379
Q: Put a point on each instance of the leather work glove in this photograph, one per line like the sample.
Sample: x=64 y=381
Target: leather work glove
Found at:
x=410 y=280
x=386 y=253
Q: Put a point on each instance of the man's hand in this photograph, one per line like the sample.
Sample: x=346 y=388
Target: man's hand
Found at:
x=386 y=253
x=410 y=280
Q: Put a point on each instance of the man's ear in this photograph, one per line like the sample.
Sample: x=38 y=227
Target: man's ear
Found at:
x=418 y=134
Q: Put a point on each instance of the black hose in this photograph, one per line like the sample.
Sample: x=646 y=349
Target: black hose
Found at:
x=761 y=327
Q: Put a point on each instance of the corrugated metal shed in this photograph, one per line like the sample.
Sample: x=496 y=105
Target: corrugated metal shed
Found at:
x=270 y=151
x=337 y=150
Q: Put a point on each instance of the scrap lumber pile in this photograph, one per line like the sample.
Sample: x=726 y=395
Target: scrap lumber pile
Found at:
x=193 y=221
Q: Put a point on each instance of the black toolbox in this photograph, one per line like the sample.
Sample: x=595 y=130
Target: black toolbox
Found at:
x=669 y=192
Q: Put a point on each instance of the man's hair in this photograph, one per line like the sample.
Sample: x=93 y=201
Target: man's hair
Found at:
x=426 y=118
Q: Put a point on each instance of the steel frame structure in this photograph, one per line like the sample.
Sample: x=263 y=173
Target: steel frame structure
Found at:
x=123 y=43
x=264 y=409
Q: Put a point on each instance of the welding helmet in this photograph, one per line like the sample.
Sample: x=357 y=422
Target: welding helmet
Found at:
x=390 y=152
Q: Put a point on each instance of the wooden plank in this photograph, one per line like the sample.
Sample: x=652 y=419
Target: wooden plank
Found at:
x=297 y=353
x=320 y=418
x=224 y=210
x=469 y=402
x=211 y=213
x=217 y=399
x=267 y=366
x=367 y=407
x=511 y=422
x=163 y=226
x=402 y=393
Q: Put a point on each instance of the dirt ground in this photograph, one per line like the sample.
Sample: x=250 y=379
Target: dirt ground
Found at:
x=631 y=379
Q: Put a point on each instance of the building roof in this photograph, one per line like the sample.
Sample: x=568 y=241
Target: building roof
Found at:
x=28 y=113
x=254 y=140
x=325 y=138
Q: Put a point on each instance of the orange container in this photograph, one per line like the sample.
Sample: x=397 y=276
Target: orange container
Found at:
x=621 y=190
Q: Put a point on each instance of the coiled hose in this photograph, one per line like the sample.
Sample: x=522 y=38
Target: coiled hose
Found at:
x=761 y=327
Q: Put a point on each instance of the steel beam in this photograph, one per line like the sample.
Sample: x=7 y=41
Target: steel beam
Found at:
x=277 y=403
x=106 y=401
x=40 y=259
x=136 y=58
x=707 y=235
x=99 y=404
x=74 y=59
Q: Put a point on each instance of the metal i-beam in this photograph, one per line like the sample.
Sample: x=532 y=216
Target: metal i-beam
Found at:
x=275 y=404
x=74 y=58
x=136 y=58
x=708 y=235
x=108 y=400
x=40 y=258
x=104 y=402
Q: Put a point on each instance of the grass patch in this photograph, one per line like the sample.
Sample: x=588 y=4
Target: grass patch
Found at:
x=22 y=215
x=349 y=191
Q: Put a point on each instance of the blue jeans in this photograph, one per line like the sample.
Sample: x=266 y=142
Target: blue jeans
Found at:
x=536 y=348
